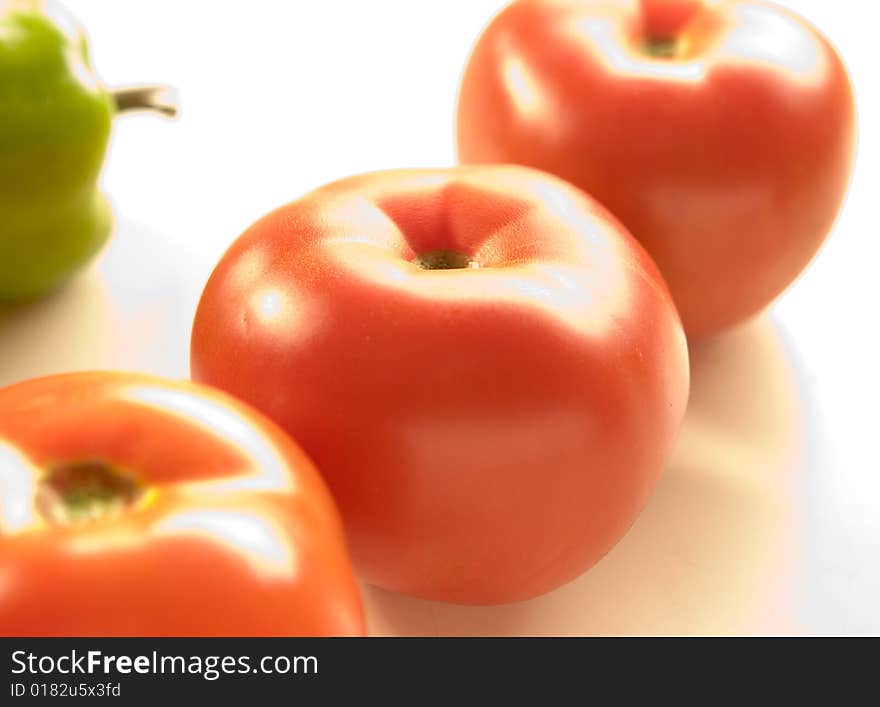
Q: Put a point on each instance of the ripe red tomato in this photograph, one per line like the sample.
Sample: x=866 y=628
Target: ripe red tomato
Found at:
x=487 y=368
x=721 y=134
x=134 y=506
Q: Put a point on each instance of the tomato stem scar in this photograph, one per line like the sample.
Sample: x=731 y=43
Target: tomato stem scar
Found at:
x=661 y=48
x=445 y=260
x=85 y=490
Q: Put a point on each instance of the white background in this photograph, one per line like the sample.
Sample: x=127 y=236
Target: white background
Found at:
x=768 y=518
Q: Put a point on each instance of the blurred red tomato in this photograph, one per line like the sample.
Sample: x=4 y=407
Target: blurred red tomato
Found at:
x=133 y=506
x=721 y=134
x=486 y=367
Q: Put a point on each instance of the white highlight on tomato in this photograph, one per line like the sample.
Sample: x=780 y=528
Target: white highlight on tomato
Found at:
x=265 y=469
x=255 y=537
x=17 y=490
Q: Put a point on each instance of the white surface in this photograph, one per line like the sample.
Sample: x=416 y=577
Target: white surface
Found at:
x=768 y=518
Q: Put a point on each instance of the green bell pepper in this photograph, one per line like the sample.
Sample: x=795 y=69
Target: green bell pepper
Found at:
x=55 y=120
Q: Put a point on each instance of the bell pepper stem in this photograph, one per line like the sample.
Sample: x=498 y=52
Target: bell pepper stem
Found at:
x=154 y=99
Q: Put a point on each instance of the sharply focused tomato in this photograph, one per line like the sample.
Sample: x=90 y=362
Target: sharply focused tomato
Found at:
x=134 y=506
x=721 y=133
x=486 y=367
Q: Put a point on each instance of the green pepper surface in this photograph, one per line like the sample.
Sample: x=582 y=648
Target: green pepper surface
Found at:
x=54 y=127
x=55 y=122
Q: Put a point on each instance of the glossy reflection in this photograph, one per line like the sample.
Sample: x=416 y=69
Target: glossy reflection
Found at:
x=252 y=537
x=270 y=304
x=764 y=35
x=264 y=470
x=16 y=490
x=524 y=89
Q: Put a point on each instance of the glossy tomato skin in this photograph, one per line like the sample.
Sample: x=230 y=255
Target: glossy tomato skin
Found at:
x=729 y=163
x=488 y=432
x=234 y=534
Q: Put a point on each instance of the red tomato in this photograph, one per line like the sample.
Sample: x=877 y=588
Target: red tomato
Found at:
x=721 y=134
x=487 y=368
x=134 y=506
